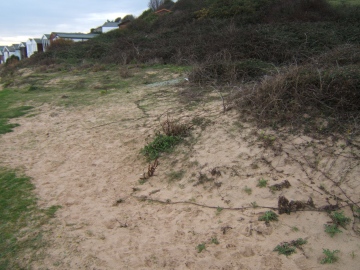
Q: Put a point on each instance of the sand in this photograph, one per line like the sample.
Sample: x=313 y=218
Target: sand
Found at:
x=87 y=160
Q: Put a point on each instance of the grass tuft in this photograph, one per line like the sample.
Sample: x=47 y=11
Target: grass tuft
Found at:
x=268 y=216
x=7 y=110
x=329 y=256
x=161 y=144
x=332 y=229
x=340 y=219
x=262 y=183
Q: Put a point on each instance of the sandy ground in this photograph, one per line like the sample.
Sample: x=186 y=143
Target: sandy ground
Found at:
x=87 y=159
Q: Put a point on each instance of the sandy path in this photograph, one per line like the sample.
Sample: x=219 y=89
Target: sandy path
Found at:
x=87 y=158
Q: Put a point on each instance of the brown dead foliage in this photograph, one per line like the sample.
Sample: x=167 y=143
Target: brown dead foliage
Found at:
x=286 y=206
x=174 y=128
x=278 y=187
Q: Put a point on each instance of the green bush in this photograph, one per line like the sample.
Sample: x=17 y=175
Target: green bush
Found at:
x=161 y=143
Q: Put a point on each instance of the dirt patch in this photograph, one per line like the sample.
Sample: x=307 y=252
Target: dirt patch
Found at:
x=87 y=159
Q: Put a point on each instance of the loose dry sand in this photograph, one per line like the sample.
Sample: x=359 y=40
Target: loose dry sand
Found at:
x=87 y=158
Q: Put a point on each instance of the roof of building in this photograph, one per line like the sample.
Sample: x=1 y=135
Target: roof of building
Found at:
x=10 y=48
x=16 y=46
x=75 y=35
x=111 y=24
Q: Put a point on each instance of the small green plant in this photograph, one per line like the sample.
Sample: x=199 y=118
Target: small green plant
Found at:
x=352 y=254
x=329 y=256
x=142 y=181
x=332 y=229
x=176 y=175
x=201 y=247
x=161 y=144
x=269 y=216
x=262 y=183
x=247 y=190
x=215 y=241
x=285 y=249
x=288 y=248
x=268 y=140
x=295 y=229
x=340 y=219
x=219 y=210
x=357 y=211
x=254 y=204
x=298 y=242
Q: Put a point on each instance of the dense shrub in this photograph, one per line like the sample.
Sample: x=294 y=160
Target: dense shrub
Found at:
x=229 y=72
x=301 y=94
x=12 y=60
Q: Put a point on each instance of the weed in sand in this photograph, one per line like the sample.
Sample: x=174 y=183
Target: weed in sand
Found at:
x=254 y=204
x=219 y=210
x=288 y=248
x=285 y=249
x=262 y=183
x=268 y=140
x=142 y=181
x=268 y=216
x=201 y=247
x=332 y=229
x=247 y=190
x=295 y=229
x=352 y=254
x=329 y=256
x=298 y=242
x=215 y=241
x=175 y=176
x=340 y=219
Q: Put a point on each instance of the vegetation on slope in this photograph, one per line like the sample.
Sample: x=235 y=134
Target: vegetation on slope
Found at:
x=242 y=41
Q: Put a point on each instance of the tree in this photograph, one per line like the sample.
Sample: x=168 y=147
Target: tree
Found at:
x=155 y=4
x=118 y=19
x=128 y=18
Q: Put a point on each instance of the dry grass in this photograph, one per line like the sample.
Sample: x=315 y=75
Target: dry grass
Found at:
x=322 y=96
x=174 y=128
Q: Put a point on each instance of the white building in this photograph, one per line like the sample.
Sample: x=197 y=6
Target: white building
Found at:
x=109 y=26
x=8 y=51
x=45 y=39
x=33 y=45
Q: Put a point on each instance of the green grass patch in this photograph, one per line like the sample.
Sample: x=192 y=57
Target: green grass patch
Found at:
x=21 y=221
x=160 y=144
x=8 y=110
